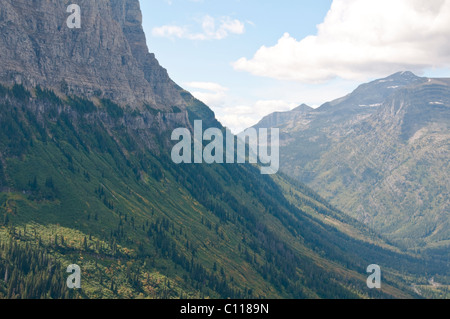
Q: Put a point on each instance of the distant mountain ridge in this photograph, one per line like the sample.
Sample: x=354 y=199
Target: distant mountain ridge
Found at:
x=380 y=154
x=279 y=118
x=363 y=100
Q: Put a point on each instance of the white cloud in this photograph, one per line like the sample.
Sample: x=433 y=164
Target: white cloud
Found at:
x=237 y=116
x=169 y=31
x=360 y=39
x=210 y=93
x=170 y=2
x=211 y=29
x=209 y=86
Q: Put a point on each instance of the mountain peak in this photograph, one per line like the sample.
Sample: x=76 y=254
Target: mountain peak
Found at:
x=403 y=76
x=303 y=108
x=396 y=80
x=371 y=95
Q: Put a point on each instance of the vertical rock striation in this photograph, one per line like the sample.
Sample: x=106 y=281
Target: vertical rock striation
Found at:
x=108 y=57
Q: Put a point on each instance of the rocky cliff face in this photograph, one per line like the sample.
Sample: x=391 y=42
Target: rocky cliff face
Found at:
x=107 y=57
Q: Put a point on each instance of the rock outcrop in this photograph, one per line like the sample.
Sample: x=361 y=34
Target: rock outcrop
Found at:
x=107 y=57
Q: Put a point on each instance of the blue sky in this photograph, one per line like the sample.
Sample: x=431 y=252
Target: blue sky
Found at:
x=248 y=58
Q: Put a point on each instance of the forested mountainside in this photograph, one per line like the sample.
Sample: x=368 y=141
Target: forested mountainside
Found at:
x=381 y=154
x=86 y=178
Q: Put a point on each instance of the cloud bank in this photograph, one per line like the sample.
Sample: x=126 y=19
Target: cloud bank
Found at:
x=211 y=29
x=210 y=93
x=237 y=116
x=360 y=39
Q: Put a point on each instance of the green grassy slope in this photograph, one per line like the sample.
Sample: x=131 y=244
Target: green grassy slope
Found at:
x=80 y=186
